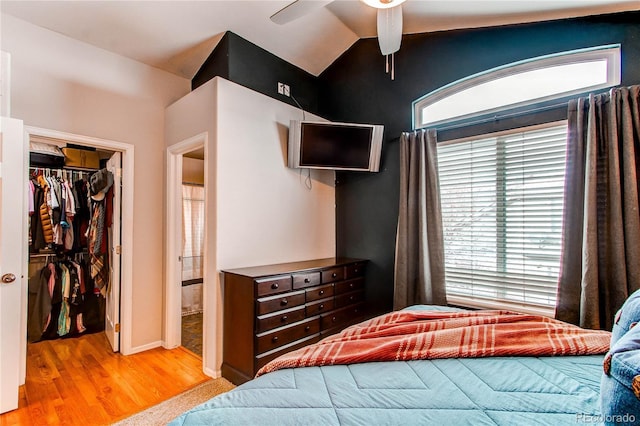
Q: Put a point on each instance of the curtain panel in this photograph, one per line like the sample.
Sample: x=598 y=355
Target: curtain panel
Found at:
x=192 y=231
x=419 y=263
x=600 y=263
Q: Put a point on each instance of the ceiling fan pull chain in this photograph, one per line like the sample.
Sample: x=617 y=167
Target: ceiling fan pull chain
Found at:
x=393 y=66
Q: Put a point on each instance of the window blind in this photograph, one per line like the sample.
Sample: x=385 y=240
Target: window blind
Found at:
x=502 y=200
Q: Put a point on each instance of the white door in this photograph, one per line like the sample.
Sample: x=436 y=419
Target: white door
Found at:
x=112 y=310
x=12 y=259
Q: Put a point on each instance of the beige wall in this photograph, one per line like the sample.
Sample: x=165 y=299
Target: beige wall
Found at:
x=61 y=84
x=258 y=210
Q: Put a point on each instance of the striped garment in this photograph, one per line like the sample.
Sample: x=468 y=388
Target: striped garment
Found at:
x=410 y=335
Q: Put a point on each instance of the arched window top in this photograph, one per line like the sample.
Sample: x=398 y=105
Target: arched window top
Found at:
x=520 y=84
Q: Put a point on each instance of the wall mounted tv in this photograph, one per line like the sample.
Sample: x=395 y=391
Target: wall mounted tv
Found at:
x=335 y=146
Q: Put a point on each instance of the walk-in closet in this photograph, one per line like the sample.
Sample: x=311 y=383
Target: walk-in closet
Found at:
x=74 y=227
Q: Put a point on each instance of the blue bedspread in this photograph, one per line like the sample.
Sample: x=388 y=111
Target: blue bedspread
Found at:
x=479 y=391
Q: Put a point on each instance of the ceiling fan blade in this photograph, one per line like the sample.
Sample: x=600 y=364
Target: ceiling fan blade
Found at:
x=390 y=29
x=296 y=10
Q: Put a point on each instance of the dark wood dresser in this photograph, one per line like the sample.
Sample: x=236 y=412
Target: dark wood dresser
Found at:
x=273 y=309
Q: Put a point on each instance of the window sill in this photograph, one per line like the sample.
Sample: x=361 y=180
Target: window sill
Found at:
x=468 y=302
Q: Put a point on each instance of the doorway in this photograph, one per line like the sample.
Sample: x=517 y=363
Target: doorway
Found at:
x=193 y=222
x=186 y=280
x=117 y=158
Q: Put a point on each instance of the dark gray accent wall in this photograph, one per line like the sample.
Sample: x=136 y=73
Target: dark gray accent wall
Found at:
x=356 y=88
x=244 y=63
x=216 y=65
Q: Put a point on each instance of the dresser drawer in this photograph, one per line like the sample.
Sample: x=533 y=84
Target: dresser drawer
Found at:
x=319 y=306
x=279 y=319
x=349 y=298
x=282 y=301
x=351 y=285
x=341 y=316
x=273 y=285
x=283 y=335
x=319 y=292
x=333 y=274
x=262 y=359
x=355 y=270
x=305 y=280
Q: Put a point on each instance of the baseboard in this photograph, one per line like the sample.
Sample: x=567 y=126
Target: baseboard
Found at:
x=152 y=345
x=212 y=373
x=163 y=343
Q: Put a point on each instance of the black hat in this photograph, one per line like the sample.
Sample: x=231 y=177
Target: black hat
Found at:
x=100 y=182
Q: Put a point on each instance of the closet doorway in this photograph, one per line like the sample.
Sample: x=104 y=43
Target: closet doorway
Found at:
x=186 y=280
x=114 y=311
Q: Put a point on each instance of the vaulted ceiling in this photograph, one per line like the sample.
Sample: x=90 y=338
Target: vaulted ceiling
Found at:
x=177 y=36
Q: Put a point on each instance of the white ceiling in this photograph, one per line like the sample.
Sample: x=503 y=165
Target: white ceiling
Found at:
x=177 y=36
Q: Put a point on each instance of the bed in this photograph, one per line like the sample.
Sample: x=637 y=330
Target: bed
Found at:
x=477 y=385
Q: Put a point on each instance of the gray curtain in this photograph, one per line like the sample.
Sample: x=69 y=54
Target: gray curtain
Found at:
x=419 y=268
x=601 y=235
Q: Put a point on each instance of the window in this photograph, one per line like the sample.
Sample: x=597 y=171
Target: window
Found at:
x=520 y=84
x=502 y=201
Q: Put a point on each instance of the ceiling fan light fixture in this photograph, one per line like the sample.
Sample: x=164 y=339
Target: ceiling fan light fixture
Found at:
x=389 y=30
x=383 y=4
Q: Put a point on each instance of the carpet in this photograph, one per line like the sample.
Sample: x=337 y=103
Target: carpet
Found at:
x=163 y=413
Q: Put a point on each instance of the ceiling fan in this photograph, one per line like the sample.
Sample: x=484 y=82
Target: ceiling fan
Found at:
x=389 y=19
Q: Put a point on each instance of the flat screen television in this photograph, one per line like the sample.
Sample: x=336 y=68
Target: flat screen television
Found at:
x=335 y=146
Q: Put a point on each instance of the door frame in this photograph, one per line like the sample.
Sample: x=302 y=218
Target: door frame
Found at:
x=127 y=209
x=173 y=248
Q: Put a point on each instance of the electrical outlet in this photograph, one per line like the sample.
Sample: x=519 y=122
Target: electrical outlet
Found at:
x=283 y=89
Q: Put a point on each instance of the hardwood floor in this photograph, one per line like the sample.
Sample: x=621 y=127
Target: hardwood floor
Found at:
x=81 y=381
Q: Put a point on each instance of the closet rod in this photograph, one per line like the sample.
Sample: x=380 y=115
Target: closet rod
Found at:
x=47 y=171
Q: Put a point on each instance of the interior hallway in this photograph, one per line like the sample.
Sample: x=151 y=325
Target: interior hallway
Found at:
x=80 y=381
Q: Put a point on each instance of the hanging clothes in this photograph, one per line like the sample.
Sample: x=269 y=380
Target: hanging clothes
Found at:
x=56 y=201
x=63 y=298
x=101 y=218
x=62 y=302
x=83 y=214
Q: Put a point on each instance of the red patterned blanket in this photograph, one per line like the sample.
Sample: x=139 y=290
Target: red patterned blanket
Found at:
x=410 y=335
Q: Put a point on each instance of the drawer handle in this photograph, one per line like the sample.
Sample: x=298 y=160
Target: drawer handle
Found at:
x=334 y=319
x=307 y=280
x=321 y=292
x=284 y=302
x=355 y=311
x=307 y=328
x=351 y=285
x=321 y=306
x=334 y=275
x=274 y=286
x=274 y=339
x=351 y=299
x=284 y=318
x=355 y=270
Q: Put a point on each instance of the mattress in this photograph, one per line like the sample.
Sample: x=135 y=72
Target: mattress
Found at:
x=472 y=391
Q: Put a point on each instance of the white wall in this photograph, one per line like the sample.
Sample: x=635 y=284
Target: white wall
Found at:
x=61 y=84
x=266 y=214
x=259 y=211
